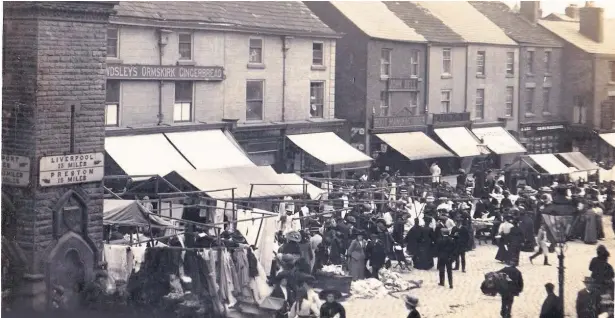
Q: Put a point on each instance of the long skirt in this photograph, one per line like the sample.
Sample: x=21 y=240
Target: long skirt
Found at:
x=503 y=254
x=356 y=268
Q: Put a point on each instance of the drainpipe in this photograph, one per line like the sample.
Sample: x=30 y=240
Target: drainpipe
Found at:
x=161 y=44
x=285 y=47
x=519 y=105
x=426 y=72
x=465 y=104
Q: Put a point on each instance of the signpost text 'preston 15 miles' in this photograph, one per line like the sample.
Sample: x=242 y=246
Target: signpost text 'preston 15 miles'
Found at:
x=71 y=169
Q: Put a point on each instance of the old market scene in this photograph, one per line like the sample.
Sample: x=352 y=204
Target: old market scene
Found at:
x=187 y=159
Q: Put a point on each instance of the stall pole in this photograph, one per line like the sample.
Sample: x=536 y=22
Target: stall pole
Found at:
x=234 y=210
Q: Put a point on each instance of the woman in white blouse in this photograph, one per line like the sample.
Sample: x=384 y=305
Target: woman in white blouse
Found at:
x=304 y=306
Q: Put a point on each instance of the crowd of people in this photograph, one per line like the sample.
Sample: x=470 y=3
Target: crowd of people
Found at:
x=364 y=226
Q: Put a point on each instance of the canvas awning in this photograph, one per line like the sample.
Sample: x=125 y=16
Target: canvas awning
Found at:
x=329 y=149
x=578 y=160
x=460 y=140
x=313 y=191
x=609 y=138
x=210 y=149
x=145 y=155
x=129 y=213
x=415 y=145
x=267 y=182
x=499 y=140
x=550 y=163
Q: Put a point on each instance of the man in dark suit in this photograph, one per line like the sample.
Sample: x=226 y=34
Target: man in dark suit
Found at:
x=282 y=290
x=552 y=306
x=446 y=254
x=515 y=288
x=461 y=235
x=588 y=300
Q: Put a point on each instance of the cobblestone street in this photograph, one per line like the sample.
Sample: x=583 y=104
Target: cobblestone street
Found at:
x=466 y=299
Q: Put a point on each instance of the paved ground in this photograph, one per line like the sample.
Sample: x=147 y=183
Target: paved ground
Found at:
x=466 y=299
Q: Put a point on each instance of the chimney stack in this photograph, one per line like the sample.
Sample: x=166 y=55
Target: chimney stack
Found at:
x=572 y=11
x=530 y=10
x=592 y=23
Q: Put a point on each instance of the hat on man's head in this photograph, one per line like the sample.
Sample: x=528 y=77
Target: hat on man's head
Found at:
x=336 y=294
x=411 y=301
x=293 y=236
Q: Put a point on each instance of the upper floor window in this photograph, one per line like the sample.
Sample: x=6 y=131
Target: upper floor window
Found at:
x=112 y=105
x=112 y=42
x=317 y=53
x=579 y=112
x=185 y=46
x=547 y=61
x=530 y=62
x=529 y=100
x=385 y=63
x=182 y=110
x=510 y=63
x=510 y=99
x=479 y=108
x=255 y=99
x=384 y=103
x=256 y=51
x=546 y=99
x=480 y=62
x=414 y=103
x=317 y=99
x=445 y=100
x=414 y=63
x=446 y=61
x=612 y=71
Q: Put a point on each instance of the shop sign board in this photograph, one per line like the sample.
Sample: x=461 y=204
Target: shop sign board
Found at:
x=15 y=171
x=71 y=169
x=451 y=118
x=165 y=72
x=398 y=121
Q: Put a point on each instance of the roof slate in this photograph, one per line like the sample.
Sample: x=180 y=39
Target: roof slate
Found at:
x=423 y=22
x=377 y=21
x=283 y=15
x=569 y=31
x=468 y=22
x=514 y=25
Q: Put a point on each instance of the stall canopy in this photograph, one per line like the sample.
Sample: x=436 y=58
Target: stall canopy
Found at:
x=210 y=149
x=129 y=213
x=460 y=140
x=499 y=140
x=578 y=160
x=145 y=155
x=267 y=182
x=550 y=163
x=314 y=191
x=609 y=138
x=415 y=145
x=329 y=149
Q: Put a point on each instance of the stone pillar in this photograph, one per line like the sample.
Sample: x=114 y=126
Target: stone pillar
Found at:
x=53 y=104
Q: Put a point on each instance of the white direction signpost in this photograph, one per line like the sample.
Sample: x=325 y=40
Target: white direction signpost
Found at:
x=15 y=171
x=71 y=169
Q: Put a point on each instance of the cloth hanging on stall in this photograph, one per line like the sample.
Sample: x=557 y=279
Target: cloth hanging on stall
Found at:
x=266 y=243
x=148 y=286
x=120 y=261
x=240 y=259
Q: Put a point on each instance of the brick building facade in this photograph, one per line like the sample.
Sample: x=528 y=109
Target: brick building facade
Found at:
x=53 y=104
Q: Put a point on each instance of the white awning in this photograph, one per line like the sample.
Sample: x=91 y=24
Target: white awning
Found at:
x=145 y=155
x=550 y=163
x=499 y=140
x=209 y=149
x=329 y=148
x=609 y=138
x=579 y=161
x=267 y=183
x=415 y=145
x=460 y=140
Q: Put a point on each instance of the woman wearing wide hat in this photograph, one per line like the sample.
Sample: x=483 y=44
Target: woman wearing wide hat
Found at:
x=331 y=307
x=411 y=303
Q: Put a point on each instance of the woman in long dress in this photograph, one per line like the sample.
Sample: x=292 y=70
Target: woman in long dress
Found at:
x=591 y=234
x=356 y=256
x=503 y=254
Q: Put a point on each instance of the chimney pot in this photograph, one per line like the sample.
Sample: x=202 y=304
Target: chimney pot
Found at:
x=572 y=11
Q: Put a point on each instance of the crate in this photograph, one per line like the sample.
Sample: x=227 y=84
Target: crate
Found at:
x=339 y=283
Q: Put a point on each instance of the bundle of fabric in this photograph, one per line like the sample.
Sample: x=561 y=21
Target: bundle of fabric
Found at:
x=368 y=288
x=395 y=282
x=332 y=270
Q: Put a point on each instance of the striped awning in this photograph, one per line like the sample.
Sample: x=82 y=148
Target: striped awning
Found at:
x=415 y=145
x=499 y=140
x=550 y=163
x=460 y=140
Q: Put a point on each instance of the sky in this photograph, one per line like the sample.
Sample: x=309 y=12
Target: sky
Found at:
x=558 y=6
